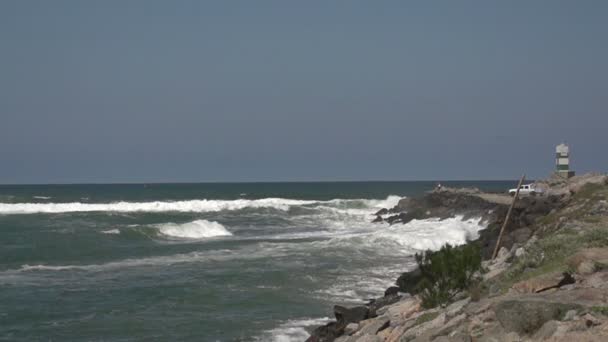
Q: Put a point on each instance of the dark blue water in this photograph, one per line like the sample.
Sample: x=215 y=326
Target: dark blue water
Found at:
x=204 y=262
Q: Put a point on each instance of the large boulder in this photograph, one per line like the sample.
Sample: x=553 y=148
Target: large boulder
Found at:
x=376 y=304
x=589 y=260
x=346 y=315
x=527 y=316
x=326 y=333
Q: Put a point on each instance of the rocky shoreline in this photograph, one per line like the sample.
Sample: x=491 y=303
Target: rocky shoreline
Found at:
x=549 y=281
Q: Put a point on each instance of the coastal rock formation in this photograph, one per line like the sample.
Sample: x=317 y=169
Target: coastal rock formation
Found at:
x=548 y=283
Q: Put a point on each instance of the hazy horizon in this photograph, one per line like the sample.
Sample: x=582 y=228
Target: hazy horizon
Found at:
x=186 y=91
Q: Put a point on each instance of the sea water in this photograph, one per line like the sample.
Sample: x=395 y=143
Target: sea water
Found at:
x=202 y=262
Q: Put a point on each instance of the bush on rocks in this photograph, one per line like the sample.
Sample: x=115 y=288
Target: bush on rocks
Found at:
x=446 y=272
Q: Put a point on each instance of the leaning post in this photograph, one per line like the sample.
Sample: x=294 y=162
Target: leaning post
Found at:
x=504 y=225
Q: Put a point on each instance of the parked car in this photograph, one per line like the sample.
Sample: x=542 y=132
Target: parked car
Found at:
x=527 y=189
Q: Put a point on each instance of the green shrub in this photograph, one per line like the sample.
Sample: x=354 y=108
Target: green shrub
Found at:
x=446 y=272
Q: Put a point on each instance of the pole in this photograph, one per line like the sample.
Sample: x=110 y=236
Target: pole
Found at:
x=504 y=225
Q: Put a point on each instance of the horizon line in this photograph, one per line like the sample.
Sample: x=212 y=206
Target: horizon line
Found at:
x=263 y=182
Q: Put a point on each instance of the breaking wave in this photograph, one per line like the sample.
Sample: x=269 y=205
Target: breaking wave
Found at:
x=198 y=229
x=202 y=205
x=292 y=330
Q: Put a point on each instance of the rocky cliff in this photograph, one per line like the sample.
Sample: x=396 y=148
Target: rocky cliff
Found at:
x=549 y=281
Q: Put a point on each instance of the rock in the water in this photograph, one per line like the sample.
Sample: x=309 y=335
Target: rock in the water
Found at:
x=381 y=212
x=326 y=333
x=393 y=290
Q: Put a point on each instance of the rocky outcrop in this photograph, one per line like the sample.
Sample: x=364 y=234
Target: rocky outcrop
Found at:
x=548 y=283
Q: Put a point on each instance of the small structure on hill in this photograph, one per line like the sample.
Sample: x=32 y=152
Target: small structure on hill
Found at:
x=562 y=161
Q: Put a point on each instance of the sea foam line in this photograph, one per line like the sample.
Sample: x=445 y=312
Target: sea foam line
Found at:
x=203 y=205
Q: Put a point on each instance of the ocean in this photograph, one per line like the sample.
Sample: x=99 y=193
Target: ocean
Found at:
x=202 y=262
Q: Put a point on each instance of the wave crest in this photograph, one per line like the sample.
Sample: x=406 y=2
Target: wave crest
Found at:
x=198 y=229
x=203 y=205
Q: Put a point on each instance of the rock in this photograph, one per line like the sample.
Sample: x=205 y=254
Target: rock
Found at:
x=325 y=333
x=590 y=320
x=424 y=328
x=575 y=184
x=374 y=326
x=408 y=281
x=544 y=282
x=586 y=267
x=457 y=307
x=588 y=260
x=385 y=333
x=520 y=252
x=369 y=338
x=512 y=337
x=379 y=303
x=526 y=317
x=401 y=311
x=546 y=331
x=570 y=315
x=393 y=290
x=503 y=254
x=350 y=315
x=351 y=328
x=378 y=219
x=381 y=212
x=450 y=325
x=597 y=280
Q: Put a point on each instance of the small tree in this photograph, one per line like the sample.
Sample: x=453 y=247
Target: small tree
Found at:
x=446 y=272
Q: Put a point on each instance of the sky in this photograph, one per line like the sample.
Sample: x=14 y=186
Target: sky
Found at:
x=197 y=91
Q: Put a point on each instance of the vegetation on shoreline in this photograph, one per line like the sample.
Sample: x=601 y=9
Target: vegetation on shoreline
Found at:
x=446 y=272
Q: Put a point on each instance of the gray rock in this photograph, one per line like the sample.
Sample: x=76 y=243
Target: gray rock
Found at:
x=512 y=337
x=590 y=320
x=343 y=339
x=377 y=304
x=570 y=315
x=351 y=328
x=372 y=328
x=369 y=338
x=526 y=317
x=450 y=325
x=350 y=315
x=456 y=307
x=546 y=331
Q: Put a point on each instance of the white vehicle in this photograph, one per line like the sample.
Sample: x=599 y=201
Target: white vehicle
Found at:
x=527 y=189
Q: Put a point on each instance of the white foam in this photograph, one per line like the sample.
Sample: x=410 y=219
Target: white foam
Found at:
x=198 y=229
x=260 y=251
x=158 y=206
x=430 y=234
x=293 y=330
x=203 y=205
x=111 y=231
x=127 y=263
x=42 y=197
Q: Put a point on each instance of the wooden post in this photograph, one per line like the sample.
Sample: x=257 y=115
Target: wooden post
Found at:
x=504 y=225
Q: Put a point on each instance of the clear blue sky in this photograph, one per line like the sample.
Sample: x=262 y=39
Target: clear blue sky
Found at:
x=143 y=91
